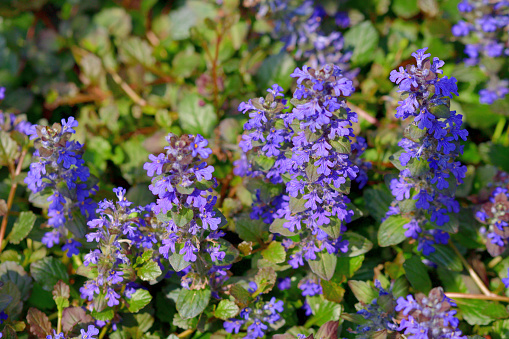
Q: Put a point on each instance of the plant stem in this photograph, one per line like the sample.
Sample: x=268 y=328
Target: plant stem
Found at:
x=454 y=295
x=186 y=333
x=10 y=199
x=103 y=331
x=471 y=271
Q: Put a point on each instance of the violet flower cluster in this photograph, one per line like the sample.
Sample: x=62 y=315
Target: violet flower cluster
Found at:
x=257 y=319
x=429 y=317
x=425 y=189
x=484 y=32
x=309 y=150
x=299 y=25
x=190 y=225
x=309 y=287
x=58 y=172
x=494 y=215
x=91 y=333
x=10 y=122
x=117 y=233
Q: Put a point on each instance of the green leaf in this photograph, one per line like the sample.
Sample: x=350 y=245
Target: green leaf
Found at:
x=323 y=310
x=275 y=253
x=138 y=300
x=481 y=312
x=250 y=229
x=191 y=303
x=377 y=199
x=177 y=262
x=495 y=154
x=418 y=167
x=363 y=38
x=333 y=228
x=196 y=117
x=265 y=279
x=134 y=50
x=226 y=309
x=357 y=244
x=241 y=295
x=116 y=20
x=405 y=9
x=149 y=271
x=277 y=227
x=22 y=227
x=8 y=148
x=324 y=265
x=297 y=205
x=391 y=231
x=346 y=268
x=363 y=291
x=312 y=172
x=182 y=217
x=444 y=256
x=332 y=291
x=15 y=273
x=77 y=224
x=341 y=145
x=103 y=315
x=48 y=271
x=264 y=163
x=417 y=274
x=276 y=69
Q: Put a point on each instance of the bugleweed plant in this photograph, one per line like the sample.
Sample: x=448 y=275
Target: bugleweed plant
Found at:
x=254 y=169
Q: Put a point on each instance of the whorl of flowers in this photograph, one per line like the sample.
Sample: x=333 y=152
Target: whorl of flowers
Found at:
x=319 y=166
x=257 y=319
x=185 y=205
x=494 y=214
x=484 y=32
x=58 y=171
x=91 y=333
x=309 y=150
x=429 y=316
x=429 y=173
x=299 y=25
x=117 y=233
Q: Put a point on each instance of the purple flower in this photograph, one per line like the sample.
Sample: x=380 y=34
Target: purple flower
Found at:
x=72 y=247
x=90 y=333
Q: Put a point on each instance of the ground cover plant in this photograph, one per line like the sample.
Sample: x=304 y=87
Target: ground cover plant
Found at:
x=254 y=169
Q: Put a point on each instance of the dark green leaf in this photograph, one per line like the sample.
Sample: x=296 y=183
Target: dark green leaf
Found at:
x=378 y=199
x=391 y=231
x=139 y=299
x=48 y=271
x=444 y=256
x=13 y=272
x=250 y=229
x=22 y=227
x=417 y=274
x=191 y=303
